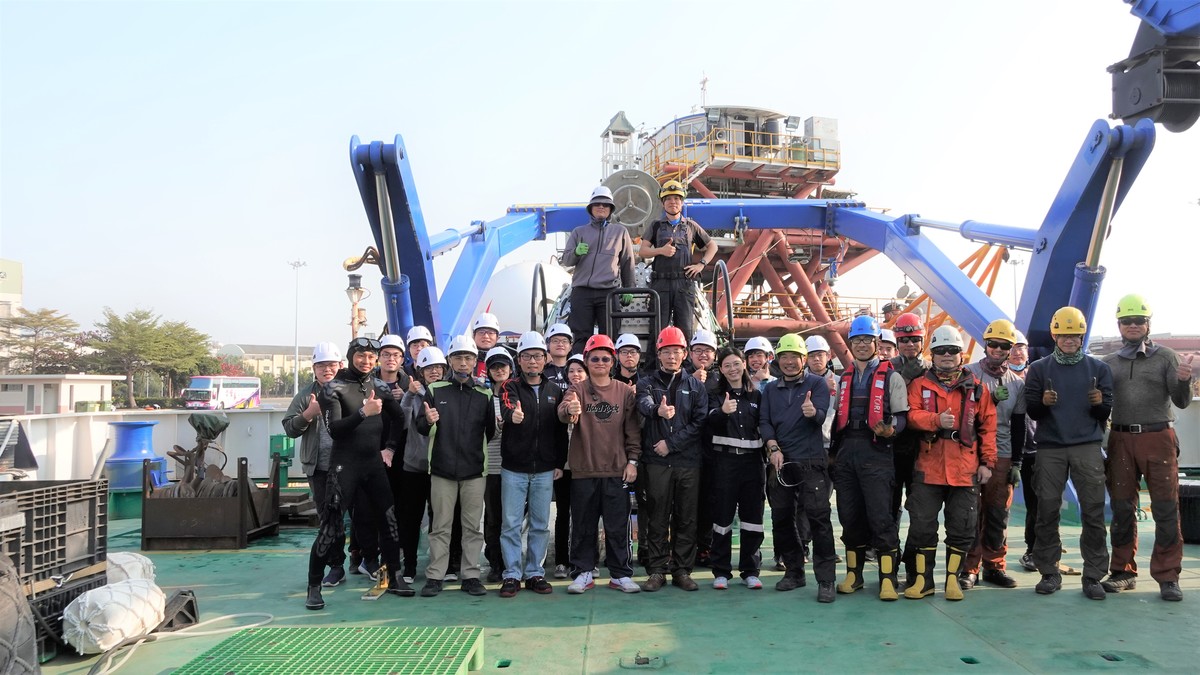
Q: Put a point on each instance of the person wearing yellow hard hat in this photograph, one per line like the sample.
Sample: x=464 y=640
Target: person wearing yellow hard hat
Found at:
x=1070 y=395
x=672 y=242
x=1142 y=444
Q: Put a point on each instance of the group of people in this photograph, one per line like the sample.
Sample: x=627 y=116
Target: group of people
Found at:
x=481 y=441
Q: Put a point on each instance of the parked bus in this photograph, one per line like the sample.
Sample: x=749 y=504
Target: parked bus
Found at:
x=216 y=392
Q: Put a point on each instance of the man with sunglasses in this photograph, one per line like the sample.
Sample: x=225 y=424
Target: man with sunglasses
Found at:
x=353 y=404
x=1070 y=395
x=991 y=541
x=957 y=454
x=1142 y=443
x=601 y=252
x=910 y=341
x=674 y=406
x=871 y=408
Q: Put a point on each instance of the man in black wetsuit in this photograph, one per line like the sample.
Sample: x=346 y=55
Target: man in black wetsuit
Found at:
x=353 y=404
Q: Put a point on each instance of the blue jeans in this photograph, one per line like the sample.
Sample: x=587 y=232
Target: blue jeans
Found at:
x=516 y=490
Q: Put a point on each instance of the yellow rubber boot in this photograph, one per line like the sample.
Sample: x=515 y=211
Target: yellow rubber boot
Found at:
x=854 y=570
x=923 y=584
x=954 y=560
x=887 y=575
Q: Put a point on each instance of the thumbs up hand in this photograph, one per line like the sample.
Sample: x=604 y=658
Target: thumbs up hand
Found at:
x=1049 y=397
x=1184 y=372
x=372 y=406
x=573 y=406
x=729 y=406
x=1095 y=396
x=946 y=420
x=414 y=386
x=1000 y=393
x=666 y=411
x=701 y=374
x=807 y=407
x=518 y=415
x=313 y=410
x=431 y=414
x=668 y=249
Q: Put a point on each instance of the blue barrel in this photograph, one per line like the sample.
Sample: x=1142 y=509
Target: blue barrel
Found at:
x=132 y=445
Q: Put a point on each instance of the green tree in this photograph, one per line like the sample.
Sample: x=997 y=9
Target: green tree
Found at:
x=40 y=341
x=139 y=341
x=185 y=348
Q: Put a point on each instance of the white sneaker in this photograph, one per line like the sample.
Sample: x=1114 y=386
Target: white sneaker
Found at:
x=450 y=576
x=582 y=583
x=624 y=584
x=560 y=571
x=408 y=580
x=720 y=583
x=754 y=583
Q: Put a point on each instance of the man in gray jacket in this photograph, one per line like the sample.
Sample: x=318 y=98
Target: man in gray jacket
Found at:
x=602 y=254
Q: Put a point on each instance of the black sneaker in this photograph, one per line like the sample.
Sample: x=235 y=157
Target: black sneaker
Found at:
x=999 y=578
x=336 y=576
x=825 y=592
x=1121 y=581
x=473 y=586
x=355 y=561
x=314 y=600
x=790 y=583
x=508 y=589
x=432 y=587
x=398 y=586
x=1092 y=589
x=495 y=575
x=1049 y=584
x=539 y=585
x=967 y=580
x=1170 y=591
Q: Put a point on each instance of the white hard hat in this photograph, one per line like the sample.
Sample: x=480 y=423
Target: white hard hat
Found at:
x=461 y=344
x=759 y=343
x=325 y=352
x=559 y=329
x=704 y=337
x=628 y=340
x=498 y=352
x=601 y=195
x=530 y=340
x=486 y=320
x=419 y=333
x=888 y=335
x=816 y=343
x=431 y=356
x=393 y=341
x=577 y=358
x=1021 y=339
x=946 y=336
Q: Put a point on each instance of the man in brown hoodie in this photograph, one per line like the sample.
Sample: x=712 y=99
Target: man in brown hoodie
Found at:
x=603 y=457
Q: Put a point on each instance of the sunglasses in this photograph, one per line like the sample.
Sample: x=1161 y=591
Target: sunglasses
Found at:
x=996 y=344
x=945 y=351
x=1133 y=321
x=369 y=343
x=909 y=339
x=600 y=359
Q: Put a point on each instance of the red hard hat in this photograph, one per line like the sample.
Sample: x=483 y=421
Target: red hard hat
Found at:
x=671 y=336
x=909 y=324
x=599 y=342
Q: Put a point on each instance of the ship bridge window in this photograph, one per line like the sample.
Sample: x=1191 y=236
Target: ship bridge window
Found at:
x=692 y=131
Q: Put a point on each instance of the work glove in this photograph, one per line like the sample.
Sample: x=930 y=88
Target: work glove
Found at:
x=1014 y=475
x=626 y=298
x=581 y=248
x=1000 y=393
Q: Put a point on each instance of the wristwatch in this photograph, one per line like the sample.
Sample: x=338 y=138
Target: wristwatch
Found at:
x=633 y=463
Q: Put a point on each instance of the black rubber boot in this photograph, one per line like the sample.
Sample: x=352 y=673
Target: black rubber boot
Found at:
x=922 y=584
x=314 y=600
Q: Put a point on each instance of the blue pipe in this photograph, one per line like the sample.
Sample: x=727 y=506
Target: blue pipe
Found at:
x=399 y=305
x=1085 y=292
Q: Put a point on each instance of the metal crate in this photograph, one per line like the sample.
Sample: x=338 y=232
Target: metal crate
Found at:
x=51 y=605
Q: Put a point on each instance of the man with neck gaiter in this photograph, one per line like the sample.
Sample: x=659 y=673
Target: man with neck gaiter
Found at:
x=602 y=254
x=956 y=455
x=1142 y=444
x=991 y=543
x=1070 y=395
x=671 y=241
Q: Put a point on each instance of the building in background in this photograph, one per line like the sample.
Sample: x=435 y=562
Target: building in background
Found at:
x=277 y=360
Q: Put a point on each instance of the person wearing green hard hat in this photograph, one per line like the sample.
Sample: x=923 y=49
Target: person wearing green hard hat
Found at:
x=601 y=253
x=1143 y=444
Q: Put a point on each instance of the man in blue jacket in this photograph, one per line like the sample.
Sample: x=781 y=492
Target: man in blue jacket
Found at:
x=793 y=410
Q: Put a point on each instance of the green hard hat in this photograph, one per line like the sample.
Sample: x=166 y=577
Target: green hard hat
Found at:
x=1133 y=305
x=791 y=343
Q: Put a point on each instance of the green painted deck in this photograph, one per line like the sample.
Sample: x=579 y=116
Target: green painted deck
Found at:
x=735 y=631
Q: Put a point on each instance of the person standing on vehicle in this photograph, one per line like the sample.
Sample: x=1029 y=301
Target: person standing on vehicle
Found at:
x=957 y=454
x=533 y=452
x=671 y=241
x=1007 y=389
x=793 y=409
x=871 y=407
x=1070 y=395
x=353 y=404
x=602 y=254
x=1149 y=378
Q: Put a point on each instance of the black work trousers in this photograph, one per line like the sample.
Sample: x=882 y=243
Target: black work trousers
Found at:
x=704 y=504
x=316 y=485
x=737 y=487
x=1029 y=493
x=672 y=493
x=812 y=494
x=344 y=484
x=562 y=520
x=591 y=500
x=676 y=303
x=864 y=476
x=493 y=518
x=588 y=312
x=904 y=459
x=926 y=501
x=364 y=540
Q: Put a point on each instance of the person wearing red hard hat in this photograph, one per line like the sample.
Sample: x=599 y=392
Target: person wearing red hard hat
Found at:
x=910 y=338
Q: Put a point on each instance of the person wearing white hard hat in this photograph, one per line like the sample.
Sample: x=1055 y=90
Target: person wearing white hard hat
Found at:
x=390 y=371
x=887 y=344
x=759 y=353
x=817 y=363
x=500 y=368
x=702 y=355
x=417 y=339
x=601 y=253
x=485 y=331
x=559 y=341
x=303 y=420
x=629 y=359
x=533 y=452
x=702 y=365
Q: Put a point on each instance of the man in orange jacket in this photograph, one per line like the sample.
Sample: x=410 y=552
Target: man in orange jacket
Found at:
x=955 y=457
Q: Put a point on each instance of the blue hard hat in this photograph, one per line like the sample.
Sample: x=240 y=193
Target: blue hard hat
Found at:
x=864 y=325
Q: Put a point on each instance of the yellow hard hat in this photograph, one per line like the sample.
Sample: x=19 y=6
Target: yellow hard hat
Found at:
x=672 y=187
x=1001 y=329
x=1133 y=305
x=1068 y=321
x=791 y=343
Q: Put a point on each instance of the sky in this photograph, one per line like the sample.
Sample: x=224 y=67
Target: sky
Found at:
x=176 y=156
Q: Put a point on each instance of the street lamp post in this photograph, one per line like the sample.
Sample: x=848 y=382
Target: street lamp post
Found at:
x=296 y=265
x=355 y=292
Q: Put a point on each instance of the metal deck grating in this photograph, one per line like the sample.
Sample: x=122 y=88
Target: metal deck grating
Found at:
x=366 y=650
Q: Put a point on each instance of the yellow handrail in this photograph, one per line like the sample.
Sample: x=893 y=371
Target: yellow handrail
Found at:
x=672 y=156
